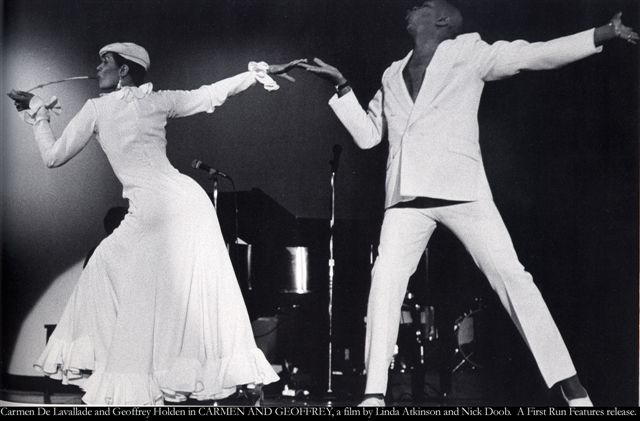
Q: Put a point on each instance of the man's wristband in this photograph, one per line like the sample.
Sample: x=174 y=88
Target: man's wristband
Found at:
x=342 y=86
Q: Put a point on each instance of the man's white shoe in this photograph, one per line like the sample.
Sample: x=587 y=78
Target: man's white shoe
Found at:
x=577 y=402
x=372 y=402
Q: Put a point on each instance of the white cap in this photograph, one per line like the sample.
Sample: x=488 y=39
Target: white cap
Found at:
x=130 y=51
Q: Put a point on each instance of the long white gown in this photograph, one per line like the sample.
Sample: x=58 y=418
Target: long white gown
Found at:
x=157 y=313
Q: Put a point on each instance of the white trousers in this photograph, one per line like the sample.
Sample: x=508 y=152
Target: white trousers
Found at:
x=403 y=239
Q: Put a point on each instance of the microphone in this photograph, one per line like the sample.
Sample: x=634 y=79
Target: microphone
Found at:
x=337 y=150
x=199 y=165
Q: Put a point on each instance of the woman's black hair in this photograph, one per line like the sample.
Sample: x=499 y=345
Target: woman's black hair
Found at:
x=136 y=71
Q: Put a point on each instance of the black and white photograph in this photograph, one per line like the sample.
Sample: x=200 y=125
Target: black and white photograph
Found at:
x=348 y=207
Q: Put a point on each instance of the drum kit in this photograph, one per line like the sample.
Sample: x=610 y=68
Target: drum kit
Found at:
x=418 y=334
x=419 y=338
x=298 y=289
x=295 y=336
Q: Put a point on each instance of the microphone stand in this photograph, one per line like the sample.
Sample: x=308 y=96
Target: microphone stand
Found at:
x=334 y=169
x=331 y=265
x=214 y=177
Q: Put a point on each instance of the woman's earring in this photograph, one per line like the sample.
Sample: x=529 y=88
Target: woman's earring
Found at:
x=119 y=84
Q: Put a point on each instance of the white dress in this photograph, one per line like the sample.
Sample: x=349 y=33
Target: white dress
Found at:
x=157 y=312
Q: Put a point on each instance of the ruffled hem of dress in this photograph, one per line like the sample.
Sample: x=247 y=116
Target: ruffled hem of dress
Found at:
x=72 y=363
x=67 y=361
x=214 y=379
x=121 y=389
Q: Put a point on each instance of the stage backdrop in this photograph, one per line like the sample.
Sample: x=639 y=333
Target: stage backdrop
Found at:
x=560 y=147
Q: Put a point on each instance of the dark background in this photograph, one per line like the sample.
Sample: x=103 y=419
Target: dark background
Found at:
x=560 y=149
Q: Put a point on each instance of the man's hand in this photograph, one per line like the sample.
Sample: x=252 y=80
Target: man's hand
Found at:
x=282 y=69
x=325 y=71
x=20 y=99
x=615 y=29
x=622 y=31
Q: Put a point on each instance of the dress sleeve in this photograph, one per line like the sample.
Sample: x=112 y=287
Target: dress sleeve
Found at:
x=74 y=138
x=208 y=97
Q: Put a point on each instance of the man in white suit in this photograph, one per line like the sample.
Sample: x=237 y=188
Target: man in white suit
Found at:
x=427 y=107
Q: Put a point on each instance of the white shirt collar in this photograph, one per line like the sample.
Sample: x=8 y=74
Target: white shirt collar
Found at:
x=131 y=93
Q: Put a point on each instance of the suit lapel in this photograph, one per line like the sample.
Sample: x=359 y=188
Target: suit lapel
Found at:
x=435 y=77
x=398 y=89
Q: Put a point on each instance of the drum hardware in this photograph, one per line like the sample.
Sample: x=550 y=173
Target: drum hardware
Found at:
x=349 y=367
x=468 y=337
x=416 y=333
x=288 y=372
x=416 y=351
x=300 y=347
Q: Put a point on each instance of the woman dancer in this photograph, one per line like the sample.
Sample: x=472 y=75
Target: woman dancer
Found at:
x=157 y=313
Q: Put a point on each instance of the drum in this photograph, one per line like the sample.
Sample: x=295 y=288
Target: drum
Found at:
x=470 y=334
x=298 y=273
x=416 y=336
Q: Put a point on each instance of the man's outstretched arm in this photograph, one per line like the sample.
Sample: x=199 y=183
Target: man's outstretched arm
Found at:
x=366 y=127
x=504 y=59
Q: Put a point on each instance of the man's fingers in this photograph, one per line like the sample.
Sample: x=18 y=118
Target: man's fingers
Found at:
x=322 y=67
x=314 y=69
x=618 y=16
x=631 y=37
x=309 y=66
x=320 y=62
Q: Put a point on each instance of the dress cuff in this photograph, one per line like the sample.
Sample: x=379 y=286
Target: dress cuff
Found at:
x=260 y=70
x=39 y=109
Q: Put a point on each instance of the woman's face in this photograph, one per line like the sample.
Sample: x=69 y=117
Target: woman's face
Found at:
x=108 y=72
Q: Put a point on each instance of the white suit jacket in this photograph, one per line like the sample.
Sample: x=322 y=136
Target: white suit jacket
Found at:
x=434 y=148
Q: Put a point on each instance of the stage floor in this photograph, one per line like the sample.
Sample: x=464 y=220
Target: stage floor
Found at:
x=467 y=388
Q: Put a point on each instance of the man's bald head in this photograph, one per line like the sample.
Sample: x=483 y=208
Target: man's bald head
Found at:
x=434 y=18
x=452 y=14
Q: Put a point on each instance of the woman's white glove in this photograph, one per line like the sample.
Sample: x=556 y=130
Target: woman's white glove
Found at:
x=263 y=71
x=34 y=108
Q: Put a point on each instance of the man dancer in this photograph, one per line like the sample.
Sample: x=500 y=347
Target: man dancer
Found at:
x=428 y=106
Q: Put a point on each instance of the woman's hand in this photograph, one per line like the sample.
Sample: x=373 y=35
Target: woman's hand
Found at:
x=325 y=71
x=622 y=31
x=282 y=69
x=20 y=99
